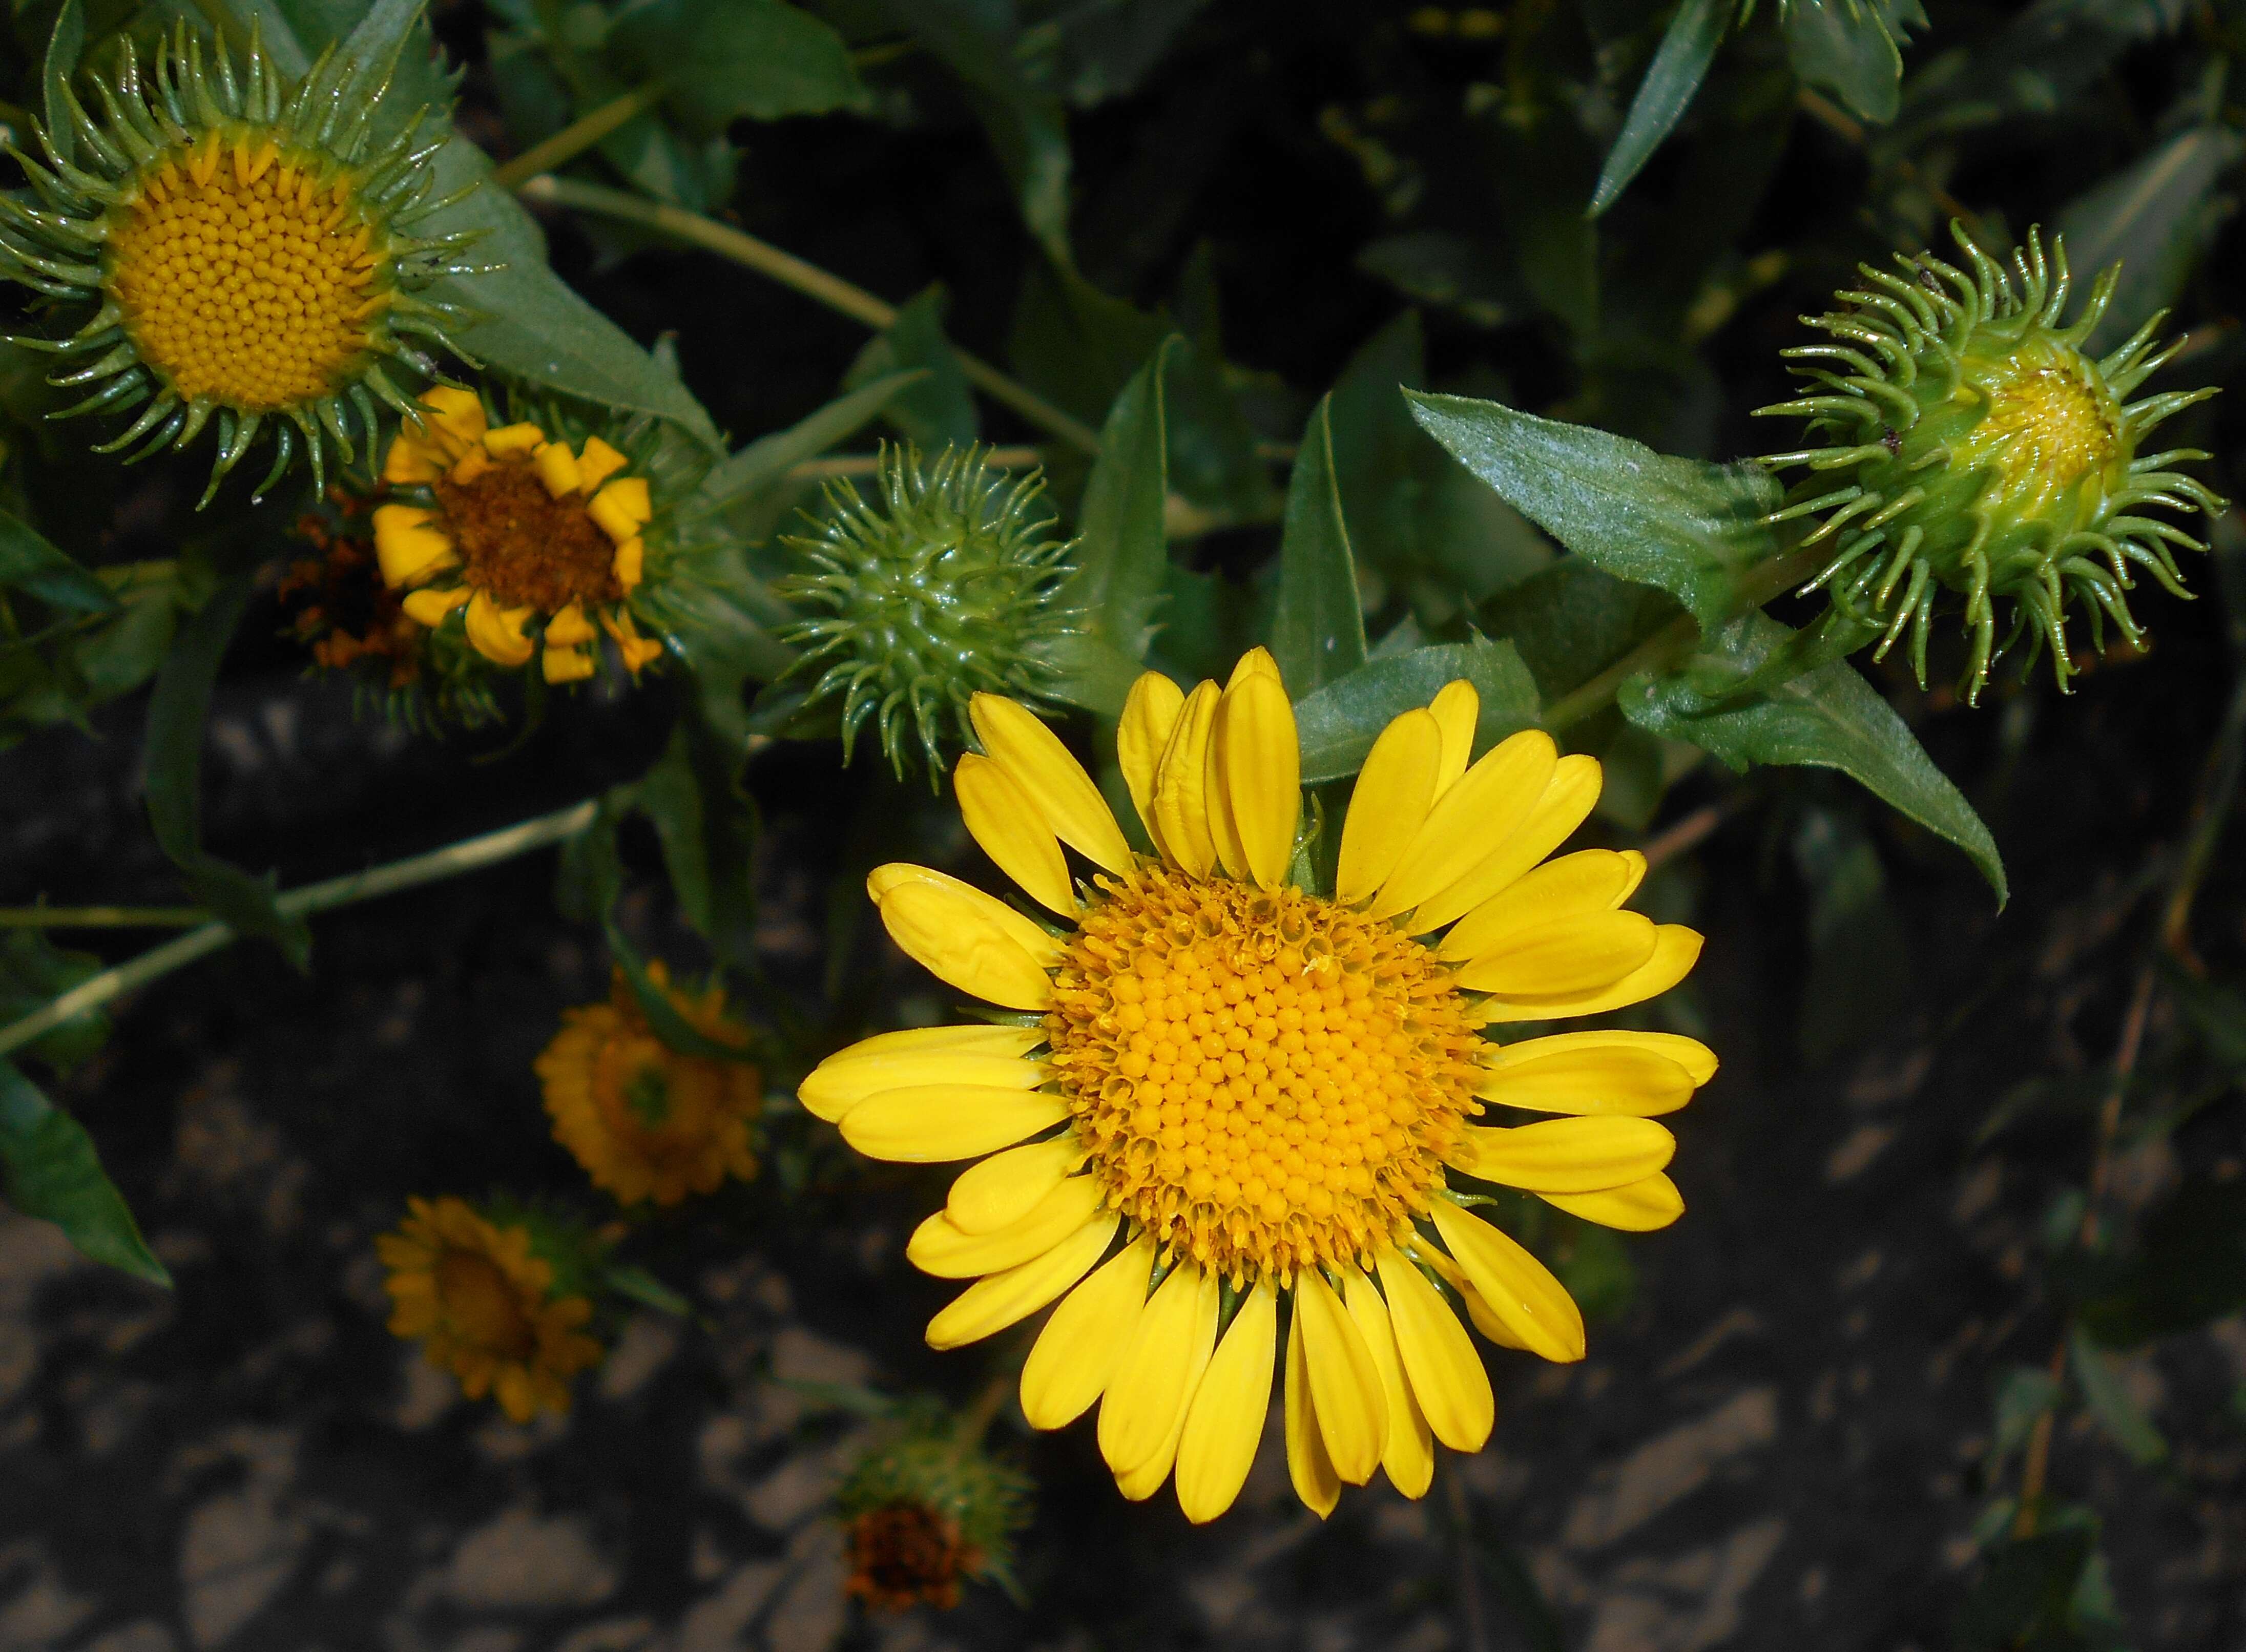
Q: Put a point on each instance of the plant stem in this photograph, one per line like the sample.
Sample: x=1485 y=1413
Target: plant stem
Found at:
x=806 y=278
x=578 y=135
x=101 y=917
x=467 y=855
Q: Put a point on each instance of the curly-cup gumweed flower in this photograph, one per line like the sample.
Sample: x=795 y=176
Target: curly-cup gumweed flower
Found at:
x=1237 y=1121
x=1968 y=445
x=484 y=1305
x=520 y=540
x=923 y=1513
x=646 y=1122
x=229 y=249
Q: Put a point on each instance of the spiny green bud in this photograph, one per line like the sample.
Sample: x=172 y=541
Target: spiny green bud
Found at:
x=1968 y=445
x=926 y=1510
x=943 y=587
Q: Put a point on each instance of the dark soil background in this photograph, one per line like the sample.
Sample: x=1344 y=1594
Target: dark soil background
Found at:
x=1781 y=1443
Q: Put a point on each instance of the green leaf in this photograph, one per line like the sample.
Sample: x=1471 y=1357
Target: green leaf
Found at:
x=1027 y=126
x=1122 y=548
x=1089 y=671
x=34 y=972
x=765 y=462
x=1689 y=527
x=1471 y=278
x=2026 y=1393
x=2156 y=218
x=636 y=1284
x=529 y=321
x=65 y=45
x=1829 y=718
x=29 y=564
x=1570 y=621
x=178 y=711
x=726 y=60
x=2026 y=1591
x=1077 y=345
x=717 y=623
x=937 y=409
x=1846 y=47
x=1103 y=51
x=708 y=829
x=1338 y=723
x=375 y=47
x=49 y=1170
x=1687 y=48
x=1317 y=632
x=2188 y=1269
x=2111 y=1401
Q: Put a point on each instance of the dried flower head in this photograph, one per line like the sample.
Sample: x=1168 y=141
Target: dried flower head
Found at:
x=926 y=1512
x=1967 y=445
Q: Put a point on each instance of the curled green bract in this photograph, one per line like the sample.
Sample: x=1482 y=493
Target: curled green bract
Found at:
x=226 y=248
x=943 y=586
x=1965 y=446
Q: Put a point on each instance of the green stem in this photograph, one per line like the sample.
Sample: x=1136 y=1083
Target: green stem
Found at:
x=578 y=135
x=101 y=917
x=805 y=277
x=1676 y=639
x=468 y=855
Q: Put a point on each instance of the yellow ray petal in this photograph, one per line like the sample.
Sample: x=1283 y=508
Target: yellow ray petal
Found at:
x=455 y=416
x=496 y=633
x=1448 y=1379
x=938 y=1248
x=429 y=607
x=1389 y=804
x=1225 y=1423
x=1257 y=662
x=1144 y=1481
x=1563 y=806
x=1216 y=802
x=409 y=546
x=1181 y=785
x=1478 y=1312
x=412 y=459
x=621 y=508
x=557 y=467
x=1344 y=1382
x=975 y=1037
x=1262 y=776
x=994 y=1302
x=934 y=1124
x=1007 y=1186
x=1626 y=1080
x=596 y=462
x=1152 y=1382
x=958 y=944
x=1308 y=1465
x=1001 y=818
x=1478 y=812
x=1076 y=1352
x=1639 y=1207
x=1456 y=709
x=1053 y=780
x=1025 y=932
x=831 y=1089
x=1149 y=714
x=1588 y=880
x=1580 y=954
x=1567 y=1155
x=1409 y=1455
x=1520 y=1290
x=1676 y=949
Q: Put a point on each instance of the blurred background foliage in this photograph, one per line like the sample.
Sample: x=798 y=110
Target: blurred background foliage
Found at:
x=1606 y=213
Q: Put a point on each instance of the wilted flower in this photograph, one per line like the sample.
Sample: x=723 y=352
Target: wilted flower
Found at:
x=924 y=1513
x=230 y=250
x=1233 y=1094
x=942 y=588
x=1968 y=445
x=645 y=1121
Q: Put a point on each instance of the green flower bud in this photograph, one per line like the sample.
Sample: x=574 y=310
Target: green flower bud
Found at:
x=1966 y=444
x=943 y=587
x=926 y=1511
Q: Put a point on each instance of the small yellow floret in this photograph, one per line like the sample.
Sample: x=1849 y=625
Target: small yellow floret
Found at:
x=233 y=289
x=566 y=665
x=631 y=562
x=622 y=508
x=430 y=608
x=513 y=439
x=409 y=546
x=2048 y=423
x=557 y=468
x=496 y=633
x=598 y=462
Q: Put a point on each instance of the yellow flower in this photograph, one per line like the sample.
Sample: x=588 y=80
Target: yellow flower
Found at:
x=644 y=1121
x=514 y=526
x=1240 y=1094
x=482 y=1306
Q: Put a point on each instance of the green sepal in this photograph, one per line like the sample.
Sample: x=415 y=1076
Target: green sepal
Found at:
x=50 y=1170
x=1337 y=723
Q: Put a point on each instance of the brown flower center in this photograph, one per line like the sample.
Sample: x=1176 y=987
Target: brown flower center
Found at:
x=524 y=546
x=904 y=1553
x=482 y=1306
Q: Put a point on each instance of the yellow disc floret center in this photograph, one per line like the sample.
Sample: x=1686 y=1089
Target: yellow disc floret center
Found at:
x=482 y=1307
x=1263 y=1079
x=2049 y=421
x=245 y=277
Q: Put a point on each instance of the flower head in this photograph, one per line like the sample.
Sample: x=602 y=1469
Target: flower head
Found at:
x=483 y=1304
x=942 y=589
x=646 y=1122
x=530 y=537
x=926 y=1512
x=1239 y=1115
x=230 y=248
x=1971 y=447
x=340 y=609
